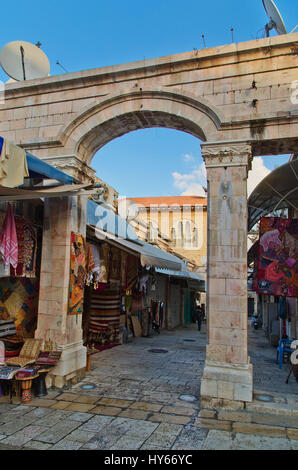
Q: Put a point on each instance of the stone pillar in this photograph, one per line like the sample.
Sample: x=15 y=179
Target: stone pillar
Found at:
x=227 y=374
x=61 y=217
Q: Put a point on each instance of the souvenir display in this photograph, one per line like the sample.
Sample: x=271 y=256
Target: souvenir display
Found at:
x=277 y=272
x=77 y=274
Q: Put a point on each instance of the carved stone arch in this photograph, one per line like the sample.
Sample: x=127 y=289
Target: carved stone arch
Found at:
x=118 y=114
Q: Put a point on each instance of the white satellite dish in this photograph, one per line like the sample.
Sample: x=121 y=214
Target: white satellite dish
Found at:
x=275 y=19
x=24 y=61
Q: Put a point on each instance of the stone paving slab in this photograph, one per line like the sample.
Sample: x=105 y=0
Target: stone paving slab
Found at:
x=136 y=403
x=57 y=432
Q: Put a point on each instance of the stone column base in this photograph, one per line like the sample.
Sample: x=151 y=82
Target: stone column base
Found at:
x=228 y=382
x=71 y=366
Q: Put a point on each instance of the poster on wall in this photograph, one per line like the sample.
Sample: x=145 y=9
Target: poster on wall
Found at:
x=277 y=266
x=77 y=274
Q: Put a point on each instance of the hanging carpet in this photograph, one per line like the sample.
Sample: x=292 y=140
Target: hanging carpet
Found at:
x=77 y=275
x=104 y=324
x=277 y=270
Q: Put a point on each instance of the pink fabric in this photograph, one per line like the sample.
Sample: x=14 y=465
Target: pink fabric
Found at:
x=8 y=240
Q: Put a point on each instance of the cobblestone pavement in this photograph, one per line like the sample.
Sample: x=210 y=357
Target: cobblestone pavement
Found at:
x=135 y=398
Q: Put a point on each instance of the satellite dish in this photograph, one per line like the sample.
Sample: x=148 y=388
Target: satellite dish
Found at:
x=24 y=61
x=275 y=18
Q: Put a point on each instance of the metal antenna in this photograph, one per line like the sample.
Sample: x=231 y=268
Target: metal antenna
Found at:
x=58 y=63
x=232 y=31
x=203 y=36
x=23 y=61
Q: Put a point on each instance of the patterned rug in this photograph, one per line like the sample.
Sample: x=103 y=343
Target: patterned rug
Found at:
x=77 y=275
x=104 y=323
x=277 y=272
x=19 y=302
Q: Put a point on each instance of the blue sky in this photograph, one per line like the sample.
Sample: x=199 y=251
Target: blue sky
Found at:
x=85 y=35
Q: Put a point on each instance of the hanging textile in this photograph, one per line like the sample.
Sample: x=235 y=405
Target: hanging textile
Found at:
x=277 y=268
x=132 y=271
x=13 y=164
x=104 y=325
x=8 y=240
x=123 y=270
x=29 y=250
x=143 y=282
x=19 y=301
x=96 y=269
x=77 y=274
x=115 y=264
x=18 y=271
x=104 y=253
x=90 y=264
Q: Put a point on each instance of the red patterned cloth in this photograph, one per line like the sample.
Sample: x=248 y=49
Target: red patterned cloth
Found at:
x=277 y=267
x=8 y=240
x=18 y=271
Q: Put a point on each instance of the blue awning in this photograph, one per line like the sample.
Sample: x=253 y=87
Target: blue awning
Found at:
x=40 y=169
x=184 y=274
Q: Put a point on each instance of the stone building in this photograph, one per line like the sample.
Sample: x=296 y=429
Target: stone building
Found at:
x=182 y=220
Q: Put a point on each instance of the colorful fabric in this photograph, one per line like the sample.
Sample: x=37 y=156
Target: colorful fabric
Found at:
x=29 y=353
x=277 y=267
x=7 y=373
x=77 y=275
x=13 y=165
x=22 y=307
x=31 y=348
x=8 y=240
x=104 y=324
x=29 y=250
x=18 y=271
x=96 y=268
x=90 y=264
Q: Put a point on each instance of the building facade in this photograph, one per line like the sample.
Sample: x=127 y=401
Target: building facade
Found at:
x=181 y=220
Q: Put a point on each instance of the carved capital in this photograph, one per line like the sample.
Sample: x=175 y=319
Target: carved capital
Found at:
x=73 y=166
x=225 y=154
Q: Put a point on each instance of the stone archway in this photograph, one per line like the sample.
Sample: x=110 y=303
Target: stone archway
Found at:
x=131 y=110
x=236 y=99
x=228 y=374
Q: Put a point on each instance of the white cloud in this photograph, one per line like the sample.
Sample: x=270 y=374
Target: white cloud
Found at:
x=258 y=172
x=192 y=184
x=194 y=189
x=188 y=158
